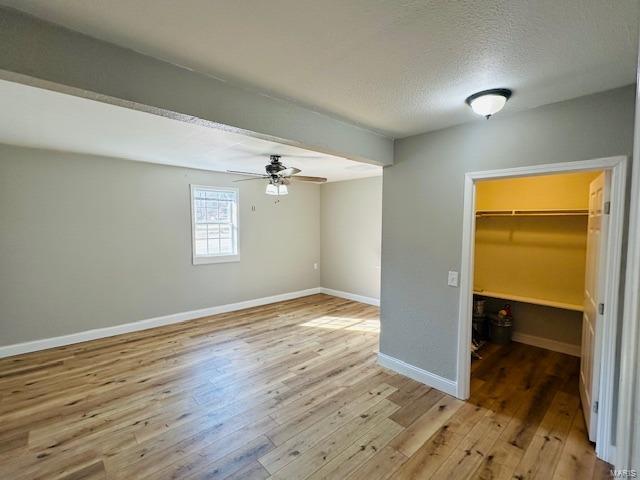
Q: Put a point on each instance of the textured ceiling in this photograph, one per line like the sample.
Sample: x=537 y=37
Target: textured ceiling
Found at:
x=39 y=118
x=396 y=66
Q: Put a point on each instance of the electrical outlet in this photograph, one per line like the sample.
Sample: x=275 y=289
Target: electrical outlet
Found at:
x=452 y=279
x=315 y=266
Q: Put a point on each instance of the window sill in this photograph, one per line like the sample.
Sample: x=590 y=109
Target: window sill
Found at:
x=216 y=259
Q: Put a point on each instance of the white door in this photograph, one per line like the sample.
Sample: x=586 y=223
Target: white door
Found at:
x=593 y=294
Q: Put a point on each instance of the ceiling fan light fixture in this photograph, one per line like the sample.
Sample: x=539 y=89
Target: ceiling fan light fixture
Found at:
x=278 y=176
x=489 y=102
x=276 y=189
x=271 y=189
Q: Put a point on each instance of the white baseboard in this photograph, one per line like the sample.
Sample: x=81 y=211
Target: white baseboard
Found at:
x=430 y=379
x=351 y=296
x=35 y=345
x=542 y=342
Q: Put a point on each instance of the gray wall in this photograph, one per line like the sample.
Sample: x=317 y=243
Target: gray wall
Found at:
x=549 y=323
x=351 y=224
x=422 y=208
x=92 y=242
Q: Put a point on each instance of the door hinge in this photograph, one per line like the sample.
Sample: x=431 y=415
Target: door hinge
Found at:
x=595 y=406
x=601 y=308
x=607 y=207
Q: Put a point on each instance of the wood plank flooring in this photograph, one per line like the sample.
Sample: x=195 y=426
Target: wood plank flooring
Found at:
x=284 y=391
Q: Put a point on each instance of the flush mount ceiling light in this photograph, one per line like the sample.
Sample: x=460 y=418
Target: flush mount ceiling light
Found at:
x=488 y=102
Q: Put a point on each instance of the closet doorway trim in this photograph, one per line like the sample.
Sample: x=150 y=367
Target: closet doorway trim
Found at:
x=607 y=331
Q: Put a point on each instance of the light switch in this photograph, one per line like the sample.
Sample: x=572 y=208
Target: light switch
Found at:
x=452 y=280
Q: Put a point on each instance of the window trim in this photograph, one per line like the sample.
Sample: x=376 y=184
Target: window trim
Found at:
x=209 y=259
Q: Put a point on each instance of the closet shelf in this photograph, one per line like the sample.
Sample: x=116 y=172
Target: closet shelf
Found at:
x=535 y=301
x=532 y=213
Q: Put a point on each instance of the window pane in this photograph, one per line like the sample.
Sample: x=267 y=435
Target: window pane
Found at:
x=214 y=247
x=214 y=231
x=224 y=212
x=225 y=246
x=212 y=214
x=201 y=231
x=201 y=247
x=200 y=215
x=225 y=231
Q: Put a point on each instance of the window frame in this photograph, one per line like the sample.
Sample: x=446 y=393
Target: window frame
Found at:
x=235 y=226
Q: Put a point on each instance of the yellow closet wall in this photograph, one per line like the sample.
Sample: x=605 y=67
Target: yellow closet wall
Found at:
x=540 y=257
x=565 y=191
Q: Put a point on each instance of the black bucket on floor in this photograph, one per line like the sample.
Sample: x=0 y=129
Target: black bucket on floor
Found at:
x=501 y=329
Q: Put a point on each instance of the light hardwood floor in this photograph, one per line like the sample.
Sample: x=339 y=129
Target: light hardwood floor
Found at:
x=285 y=391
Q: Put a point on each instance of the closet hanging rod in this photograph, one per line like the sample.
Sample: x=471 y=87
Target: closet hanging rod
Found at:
x=532 y=213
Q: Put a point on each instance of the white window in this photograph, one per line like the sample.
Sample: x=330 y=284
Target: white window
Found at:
x=214 y=212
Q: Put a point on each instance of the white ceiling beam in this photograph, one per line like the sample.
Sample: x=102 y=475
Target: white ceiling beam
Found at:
x=42 y=54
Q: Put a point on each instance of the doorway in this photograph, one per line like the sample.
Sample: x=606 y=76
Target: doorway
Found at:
x=597 y=341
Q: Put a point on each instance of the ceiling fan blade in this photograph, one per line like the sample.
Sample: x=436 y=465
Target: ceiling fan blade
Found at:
x=287 y=172
x=261 y=175
x=285 y=156
x=247 y=179
x=303 y=178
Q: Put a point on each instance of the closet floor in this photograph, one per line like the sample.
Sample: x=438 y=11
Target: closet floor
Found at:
x=538 y=429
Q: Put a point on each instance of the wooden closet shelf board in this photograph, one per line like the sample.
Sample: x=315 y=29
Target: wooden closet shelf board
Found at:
x=535 y=301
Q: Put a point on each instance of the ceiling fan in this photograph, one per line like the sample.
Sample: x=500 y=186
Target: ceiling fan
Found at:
x=279 y=176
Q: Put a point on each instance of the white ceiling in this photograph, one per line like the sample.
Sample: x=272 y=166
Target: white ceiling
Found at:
x=397 y=66
x=40 y=118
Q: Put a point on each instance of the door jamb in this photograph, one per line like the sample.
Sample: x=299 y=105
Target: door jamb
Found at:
x=628 y=423
x=606 y=331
